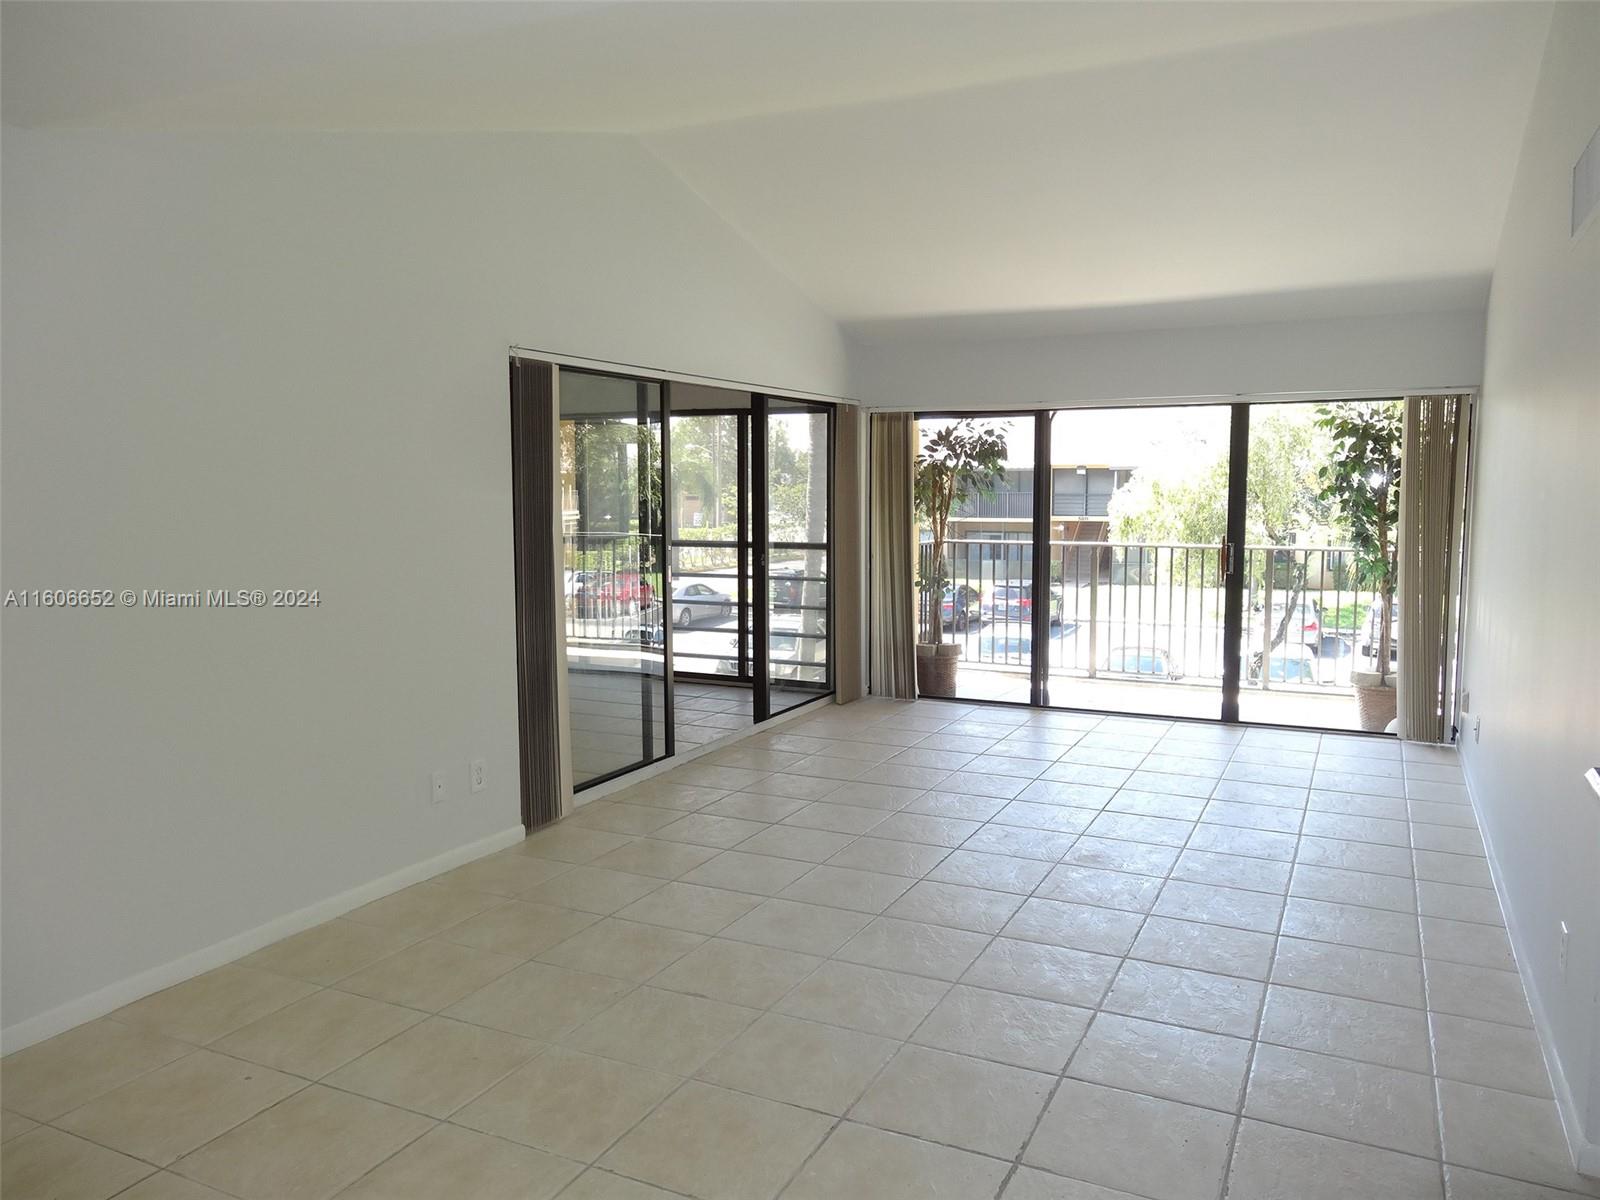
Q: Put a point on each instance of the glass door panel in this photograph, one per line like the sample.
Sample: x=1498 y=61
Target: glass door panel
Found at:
x=710 y=608
x=979 y=593
x=794 y=492
x=1313 y=613
x=613 y=552
x=1139 y=509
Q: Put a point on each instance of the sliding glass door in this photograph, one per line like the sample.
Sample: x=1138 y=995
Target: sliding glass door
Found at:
x=695 y=543
x=710 y=545
x=613 y=560
x=1314 y=602
x=975 y=568
x=1139 y=508
x=751 y=480
x=793 y=494
x=1177 y=561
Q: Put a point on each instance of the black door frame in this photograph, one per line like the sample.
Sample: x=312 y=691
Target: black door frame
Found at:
x=1233 y=578
x=760 y=537
x=534 y=393
x=660 y=546
x=741 y=545
x=1230 y=553
x=760 y=610
x=1044 y=488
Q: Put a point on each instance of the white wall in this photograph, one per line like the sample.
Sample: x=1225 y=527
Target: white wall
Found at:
x=280 y=361
x=1532 y=649
x=1395 y=353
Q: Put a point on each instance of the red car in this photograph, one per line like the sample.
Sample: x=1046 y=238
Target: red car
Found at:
x=625 y=591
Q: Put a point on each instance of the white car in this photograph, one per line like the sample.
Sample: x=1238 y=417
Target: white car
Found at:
x=697 y=601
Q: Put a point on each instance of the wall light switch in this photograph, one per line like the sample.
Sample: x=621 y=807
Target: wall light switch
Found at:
x=438 y=787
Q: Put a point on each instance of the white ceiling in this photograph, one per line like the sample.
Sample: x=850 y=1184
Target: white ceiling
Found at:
x=916 y=166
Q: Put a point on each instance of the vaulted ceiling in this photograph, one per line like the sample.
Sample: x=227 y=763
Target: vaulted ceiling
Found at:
x=916 y=166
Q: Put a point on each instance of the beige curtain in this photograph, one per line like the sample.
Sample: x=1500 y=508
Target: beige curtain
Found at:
x=1427 y=541
x=892 y=605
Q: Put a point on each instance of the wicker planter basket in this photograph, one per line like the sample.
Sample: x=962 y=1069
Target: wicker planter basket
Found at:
x=936 y=668
x=1375 y=701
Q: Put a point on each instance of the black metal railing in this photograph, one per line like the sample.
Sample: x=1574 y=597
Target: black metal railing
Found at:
x=615 y=595
x=1151 y=611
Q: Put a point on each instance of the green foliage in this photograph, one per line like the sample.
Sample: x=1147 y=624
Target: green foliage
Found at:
x=1282 y=488
x=1154 y=507
x=1363 y=479
x=608 y=461
x=957 y=463
x=1282 y=491
x=705 y=464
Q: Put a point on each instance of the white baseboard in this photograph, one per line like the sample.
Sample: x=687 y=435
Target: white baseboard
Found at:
x=125 y=991
x=1585 y=1153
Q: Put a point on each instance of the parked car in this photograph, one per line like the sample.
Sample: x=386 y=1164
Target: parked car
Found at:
x=650 y=632
x=1333 y=647
x=697 y=601
x=962 y=606
x=1371 y=634
x=1014 y=602
x=1006 y=642
x=1305 y=626
x=1288 y=665
x=788 y=586
x=598 y=594
x=1150 y=662
x=573 y=585
x=783 y=659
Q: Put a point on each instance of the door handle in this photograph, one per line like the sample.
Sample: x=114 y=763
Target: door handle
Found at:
x=1225 y=559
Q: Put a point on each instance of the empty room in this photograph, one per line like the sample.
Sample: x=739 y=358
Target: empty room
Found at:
x=805 y=599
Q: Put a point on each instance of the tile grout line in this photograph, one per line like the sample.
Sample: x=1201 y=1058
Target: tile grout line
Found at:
x=1261 y=1020
x=501 y=900
x=1061 y=1077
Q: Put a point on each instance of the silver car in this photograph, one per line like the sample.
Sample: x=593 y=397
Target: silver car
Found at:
x=1371 y=633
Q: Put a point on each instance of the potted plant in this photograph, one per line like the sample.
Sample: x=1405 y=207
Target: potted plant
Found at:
x=957 y=463
x=1364 y=481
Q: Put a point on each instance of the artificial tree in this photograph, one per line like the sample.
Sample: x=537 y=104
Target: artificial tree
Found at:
x=957 y=463
x=1363 y=479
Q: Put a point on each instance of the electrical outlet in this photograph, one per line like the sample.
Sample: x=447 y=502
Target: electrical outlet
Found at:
x=1561 y=954
x=480 y=773
x=439 y=789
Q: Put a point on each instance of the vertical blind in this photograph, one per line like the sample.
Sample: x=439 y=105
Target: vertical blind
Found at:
x=539 y=629
x=892 y=632
x=1427 y=540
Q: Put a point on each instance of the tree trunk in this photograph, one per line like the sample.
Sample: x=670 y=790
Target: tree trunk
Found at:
x=1296 y=591
x=936 y=591
x=1386 y=598
x=938 y=524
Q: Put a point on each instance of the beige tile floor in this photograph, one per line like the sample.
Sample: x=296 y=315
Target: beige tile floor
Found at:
x=895 y=951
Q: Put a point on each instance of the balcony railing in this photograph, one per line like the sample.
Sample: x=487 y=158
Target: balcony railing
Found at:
x=613 y=598
x=1154 y=612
